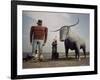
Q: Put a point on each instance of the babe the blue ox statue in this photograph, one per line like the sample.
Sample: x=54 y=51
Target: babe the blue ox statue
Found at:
x=72 y=40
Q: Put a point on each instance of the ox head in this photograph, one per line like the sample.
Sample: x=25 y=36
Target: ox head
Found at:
x=64 y=30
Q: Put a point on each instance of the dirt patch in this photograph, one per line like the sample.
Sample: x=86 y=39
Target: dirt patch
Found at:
x=61 y=62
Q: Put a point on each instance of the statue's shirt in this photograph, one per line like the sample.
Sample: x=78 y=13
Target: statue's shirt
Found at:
x=39 y=32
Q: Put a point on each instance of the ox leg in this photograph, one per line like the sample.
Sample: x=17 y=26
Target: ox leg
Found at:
x=67 y=53
x=84 y=51
x=66 y=48
x=77 y=52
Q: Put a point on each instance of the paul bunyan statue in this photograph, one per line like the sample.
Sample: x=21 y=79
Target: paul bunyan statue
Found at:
x=38 y=38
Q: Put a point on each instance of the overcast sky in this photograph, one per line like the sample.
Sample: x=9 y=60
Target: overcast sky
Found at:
x=54 y=21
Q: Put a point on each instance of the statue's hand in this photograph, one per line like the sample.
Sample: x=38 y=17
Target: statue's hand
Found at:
x=43 y=44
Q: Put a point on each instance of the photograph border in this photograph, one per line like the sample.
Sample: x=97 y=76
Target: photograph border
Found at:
x=14 y=36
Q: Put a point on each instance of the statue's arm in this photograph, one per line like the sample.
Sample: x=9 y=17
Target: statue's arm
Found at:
x=46 y=33
x=31 y=33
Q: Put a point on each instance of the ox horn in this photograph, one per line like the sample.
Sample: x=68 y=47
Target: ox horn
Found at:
x=67 y=26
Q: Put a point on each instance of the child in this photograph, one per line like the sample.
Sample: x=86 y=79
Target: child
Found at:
x=54 y=50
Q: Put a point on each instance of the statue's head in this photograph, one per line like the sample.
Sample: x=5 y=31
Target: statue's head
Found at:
x=63 y=33
x=39 y=22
